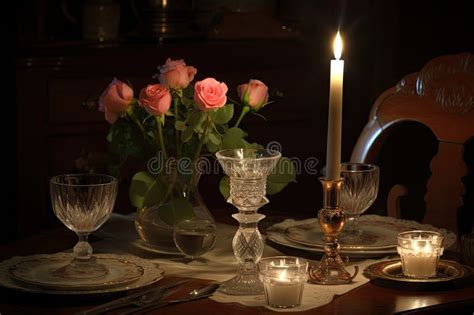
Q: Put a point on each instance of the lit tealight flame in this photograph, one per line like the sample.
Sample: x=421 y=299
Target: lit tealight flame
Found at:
x=282 y=275
x=337 y=46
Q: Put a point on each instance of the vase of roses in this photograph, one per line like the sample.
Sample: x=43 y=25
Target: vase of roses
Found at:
x=174 y=127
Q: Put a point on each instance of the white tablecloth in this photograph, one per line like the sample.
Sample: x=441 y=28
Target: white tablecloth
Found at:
x=119 y=236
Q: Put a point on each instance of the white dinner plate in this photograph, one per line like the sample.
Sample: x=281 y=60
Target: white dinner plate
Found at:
x=30 y=281
x=383 y=228
x=40 y=270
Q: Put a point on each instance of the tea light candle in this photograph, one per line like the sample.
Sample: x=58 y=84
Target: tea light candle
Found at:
x=419 y=252
x=283 y=280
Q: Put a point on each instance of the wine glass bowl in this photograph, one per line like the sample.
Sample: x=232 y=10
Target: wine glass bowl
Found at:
x=83 y=202
x=359 y=191
x=194 y=237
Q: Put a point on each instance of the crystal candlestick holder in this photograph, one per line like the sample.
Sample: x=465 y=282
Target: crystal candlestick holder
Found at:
x=331 y=218
x=248 y=170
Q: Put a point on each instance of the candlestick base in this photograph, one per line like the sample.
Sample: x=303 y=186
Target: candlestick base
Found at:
x=331 y=218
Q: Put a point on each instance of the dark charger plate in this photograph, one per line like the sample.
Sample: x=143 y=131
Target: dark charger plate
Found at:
x=391 y=270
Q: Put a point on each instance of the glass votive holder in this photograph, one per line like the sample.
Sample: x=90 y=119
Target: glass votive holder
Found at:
x=283 y=279
x=419 y=252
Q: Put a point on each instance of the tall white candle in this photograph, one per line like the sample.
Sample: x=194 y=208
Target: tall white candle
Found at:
x=333 y=155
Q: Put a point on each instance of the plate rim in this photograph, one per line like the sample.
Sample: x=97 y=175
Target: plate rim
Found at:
x=278 y=228
x=320 y=250
x=152 y=274
x=375 y=270
x=78 y=287
x=342 y=246
x=374 y=217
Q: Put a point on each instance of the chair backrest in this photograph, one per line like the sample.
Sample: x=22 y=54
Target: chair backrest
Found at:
x=441 y=97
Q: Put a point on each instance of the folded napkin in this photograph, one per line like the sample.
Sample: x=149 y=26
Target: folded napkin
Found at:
x=119 y=236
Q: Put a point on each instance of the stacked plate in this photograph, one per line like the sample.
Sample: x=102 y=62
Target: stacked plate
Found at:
x=36 y=274
x=379 y=235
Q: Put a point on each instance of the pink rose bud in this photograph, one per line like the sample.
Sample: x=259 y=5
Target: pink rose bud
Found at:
x=210 y=94
x=156 y=99
x=175 y=74
x=115 y=100
x=253 y=94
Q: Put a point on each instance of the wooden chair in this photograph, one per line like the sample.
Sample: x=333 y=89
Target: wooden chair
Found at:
x=441 y=97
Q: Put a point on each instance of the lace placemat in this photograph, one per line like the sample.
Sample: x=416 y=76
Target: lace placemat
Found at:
x=314 y=295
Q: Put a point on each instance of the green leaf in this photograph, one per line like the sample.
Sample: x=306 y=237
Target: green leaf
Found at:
x=255 y=145
x=196 y=120
x=146 y=190
x=224 y=186
x=187 y=101
x=110 y=135
x=211 y=147
x=187 y=134
x=180 y=125
x=274 y=188
x=189 y=91
x=125 y=139
x=223 y=115
x=234 y=139
x=176 y=210
x=283 y=174
x=214 y=138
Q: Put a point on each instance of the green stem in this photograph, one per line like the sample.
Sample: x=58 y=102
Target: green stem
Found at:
x=201 y=141
x=176 y=112
x=198 y=154
x=160 y=136
x=244 y=112
x=132 y=115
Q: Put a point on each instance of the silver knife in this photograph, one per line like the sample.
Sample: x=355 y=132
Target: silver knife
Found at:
x=198 y=294
x=123 y=301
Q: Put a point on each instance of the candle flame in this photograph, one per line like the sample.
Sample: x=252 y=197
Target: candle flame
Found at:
x=282 y=275
x=337 y=46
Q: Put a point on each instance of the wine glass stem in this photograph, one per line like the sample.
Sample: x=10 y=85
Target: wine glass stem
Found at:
x=352 y=224
x=83 y=250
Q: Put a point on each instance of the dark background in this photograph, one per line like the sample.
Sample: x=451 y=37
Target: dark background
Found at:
x=285 y=43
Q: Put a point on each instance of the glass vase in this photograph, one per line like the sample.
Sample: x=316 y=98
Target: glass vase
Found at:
x=182 y=201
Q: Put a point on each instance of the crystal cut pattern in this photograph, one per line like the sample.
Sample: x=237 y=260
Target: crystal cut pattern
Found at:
x=248 y=170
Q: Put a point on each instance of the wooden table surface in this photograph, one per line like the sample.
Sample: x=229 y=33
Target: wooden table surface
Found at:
x=371 y=298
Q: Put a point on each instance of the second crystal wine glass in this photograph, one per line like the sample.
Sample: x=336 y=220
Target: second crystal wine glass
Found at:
x=248 y=170
x=83 y=202
x=358 y=193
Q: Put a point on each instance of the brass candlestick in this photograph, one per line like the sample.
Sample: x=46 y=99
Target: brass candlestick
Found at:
x=331 y=218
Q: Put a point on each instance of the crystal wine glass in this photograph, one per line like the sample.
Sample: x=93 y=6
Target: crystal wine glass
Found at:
x=83 y=202
x=194 y=237
x=358 y=193
x=248 y=170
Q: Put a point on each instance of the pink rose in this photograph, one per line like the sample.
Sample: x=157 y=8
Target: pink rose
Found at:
x=156 y=99
x=253 y=94
x=210 y=94
x=175 y=74
x=115 y=100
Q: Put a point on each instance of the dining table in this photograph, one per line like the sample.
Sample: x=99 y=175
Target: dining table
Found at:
x=374 y=297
